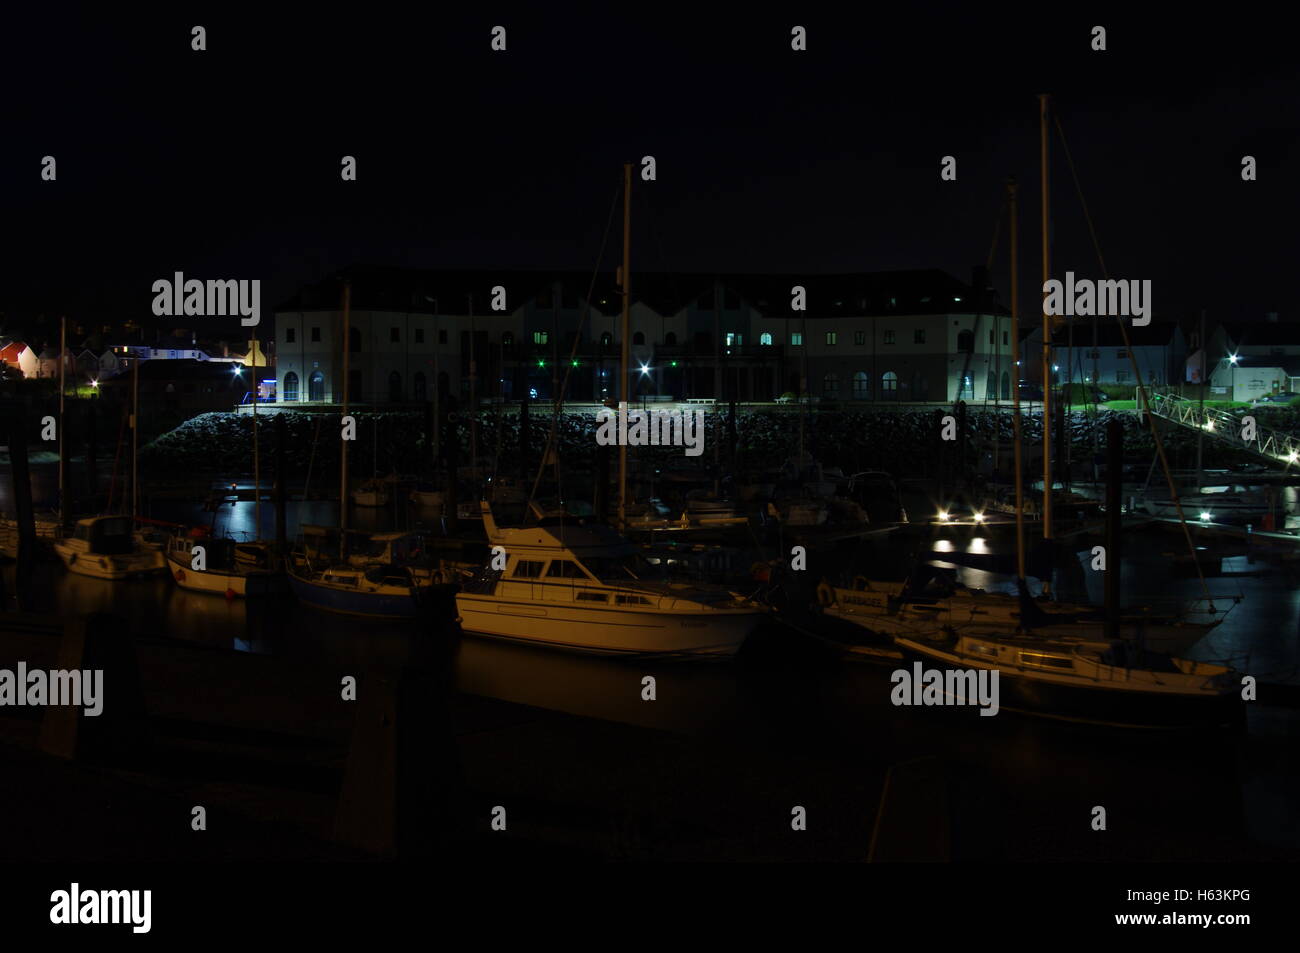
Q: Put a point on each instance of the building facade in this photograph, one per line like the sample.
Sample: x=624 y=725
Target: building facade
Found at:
x=897 y=336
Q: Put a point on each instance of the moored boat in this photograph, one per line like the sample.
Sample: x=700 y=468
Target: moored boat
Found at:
x=107 y=547
x=583 y=588
x=228 y=568
x=375 y=592
x=1111 y=683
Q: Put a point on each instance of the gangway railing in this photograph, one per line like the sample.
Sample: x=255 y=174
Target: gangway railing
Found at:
x=1275 y=445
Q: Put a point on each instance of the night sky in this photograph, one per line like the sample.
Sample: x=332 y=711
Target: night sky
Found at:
x=225 y=163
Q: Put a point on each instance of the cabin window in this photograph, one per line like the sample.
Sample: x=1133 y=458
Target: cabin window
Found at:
x=977 y=649
x=593 y=597
x=528 y=569
x=565 y=569
x=1045 y=661
x=624 y=600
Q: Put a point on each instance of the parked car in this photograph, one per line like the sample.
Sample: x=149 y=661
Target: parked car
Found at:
x=1284 y=397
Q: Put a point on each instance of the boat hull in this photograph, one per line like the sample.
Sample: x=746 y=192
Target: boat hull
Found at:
x=605 y=631
x=370 y=605
x=239 y=585
x=144 y=563
x=1095 y=703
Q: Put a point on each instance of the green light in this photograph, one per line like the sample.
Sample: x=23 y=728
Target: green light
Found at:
x=674 y=363
x=575 y=363
x=541 y=363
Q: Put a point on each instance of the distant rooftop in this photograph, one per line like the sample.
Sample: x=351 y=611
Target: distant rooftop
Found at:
x=928 y=291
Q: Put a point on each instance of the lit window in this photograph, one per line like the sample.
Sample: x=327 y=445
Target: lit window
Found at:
x=831 y=337
x=796 y=338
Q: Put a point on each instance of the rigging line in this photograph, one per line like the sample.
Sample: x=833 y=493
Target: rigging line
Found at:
x=577 y=337
x=1143 y=403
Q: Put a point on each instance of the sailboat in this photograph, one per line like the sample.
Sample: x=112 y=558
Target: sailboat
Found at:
x=107 y=547
x=907 y=609
x=228 y=568
x=363 y=587
x=1049 y=673
x=110 y=547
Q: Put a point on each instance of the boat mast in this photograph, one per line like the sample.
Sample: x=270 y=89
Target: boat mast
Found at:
x=624 y=349
x=343 y=472
x=257 y=471
x=1015 y=390
x=135 y=440
x=63 y=351
x=1047 y=335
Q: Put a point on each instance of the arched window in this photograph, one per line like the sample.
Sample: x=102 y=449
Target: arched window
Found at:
x=765 y=339
x=991 y=389
x=1006 y=385
x=889 y=385
x=966 y=342
x=316 y=386
x=607 y=340
x=966 y=388
x=638 y=338
x=354 y=340
x=831 y=386
x=291 y=386
x=419 y=386
x=670 y=339
x=394 y=387
x=861 y=386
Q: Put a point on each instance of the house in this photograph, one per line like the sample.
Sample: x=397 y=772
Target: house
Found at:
x=1098 y=353
x=17 y=355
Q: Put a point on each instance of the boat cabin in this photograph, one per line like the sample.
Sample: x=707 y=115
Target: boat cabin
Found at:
x=106 y=535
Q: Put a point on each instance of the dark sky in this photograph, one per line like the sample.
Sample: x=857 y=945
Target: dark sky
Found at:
x=225 y=164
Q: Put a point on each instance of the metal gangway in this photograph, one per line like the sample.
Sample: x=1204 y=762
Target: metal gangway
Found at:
x=1225 y=427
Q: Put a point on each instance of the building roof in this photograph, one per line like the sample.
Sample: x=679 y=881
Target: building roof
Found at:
x=1290 y=365
x=927 y=291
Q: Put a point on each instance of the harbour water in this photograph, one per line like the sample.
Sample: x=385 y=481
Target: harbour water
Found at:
x=793 y=702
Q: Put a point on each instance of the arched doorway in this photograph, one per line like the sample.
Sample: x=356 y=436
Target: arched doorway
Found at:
x=316 y=386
